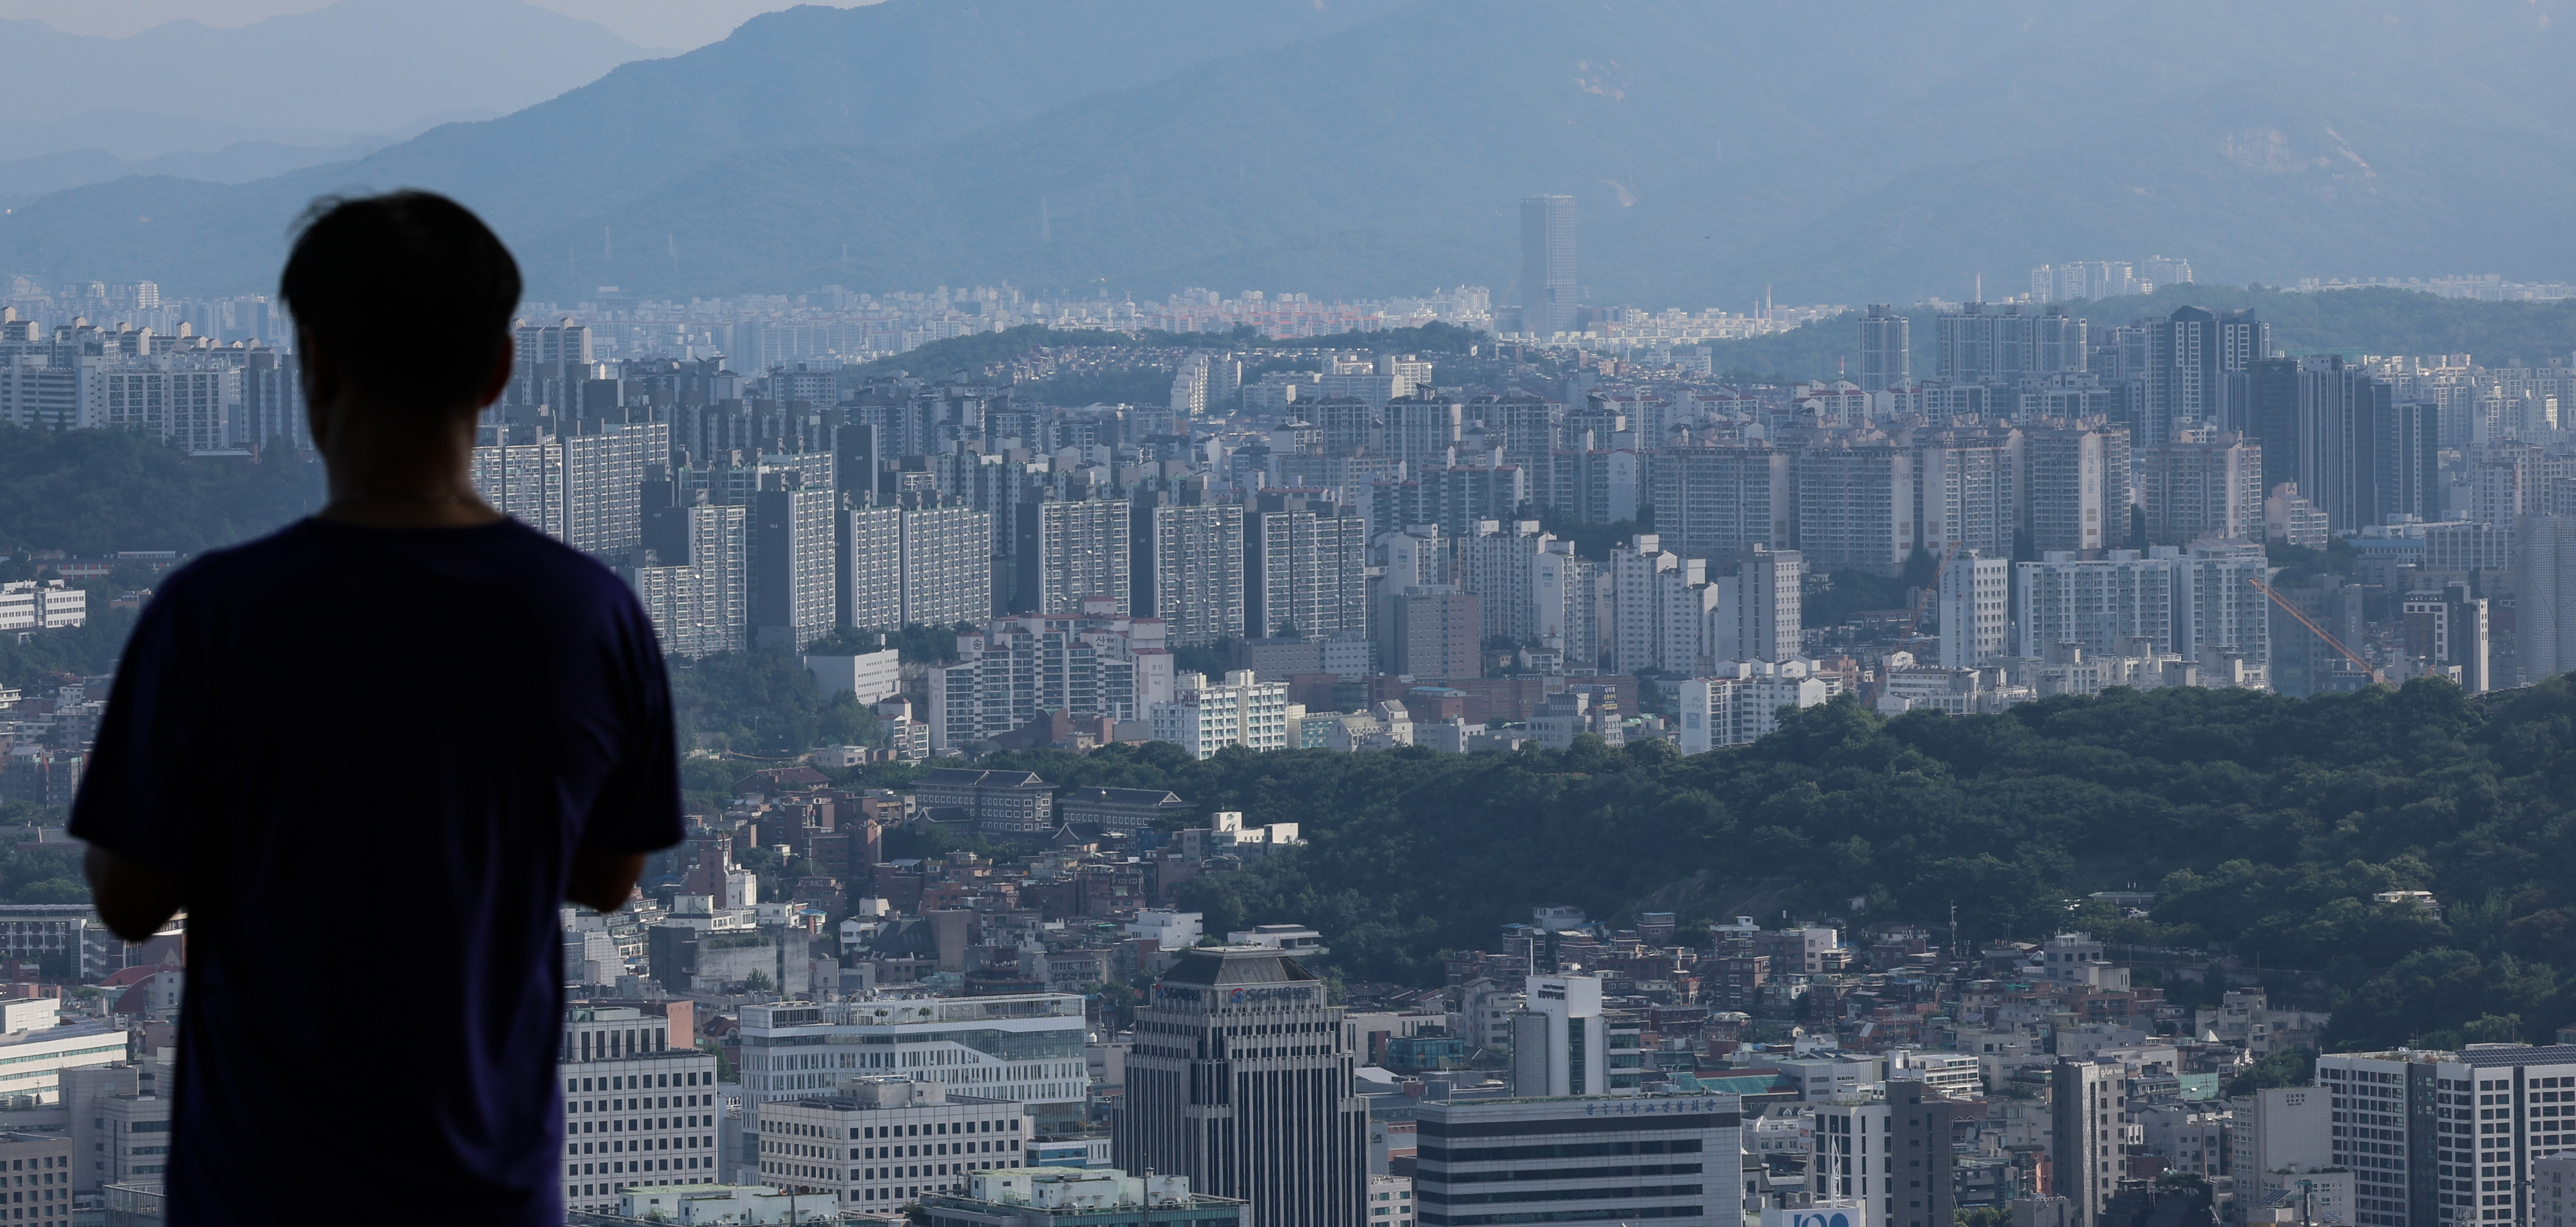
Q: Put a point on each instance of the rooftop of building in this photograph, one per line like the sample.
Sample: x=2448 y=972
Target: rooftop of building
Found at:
x=1225 y=965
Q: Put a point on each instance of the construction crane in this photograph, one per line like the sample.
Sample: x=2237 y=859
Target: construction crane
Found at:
x=2319 y=631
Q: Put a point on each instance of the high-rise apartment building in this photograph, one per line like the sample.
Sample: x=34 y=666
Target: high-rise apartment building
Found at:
x=2112 y=606
x=1204 y=717
x=1430 y=632
x=1717 y=502
x=1969 y=489
x=1547 y=264
x=603 y=470
x=2202 y=483
x=1019 y=668
x=1856 y=505
x=1672 y=1159
x=1975 y=609
x=2075 y=486
x=1769 y=598
x=699 y=597
x=1073 y=550
x=1240 y=1079
x=2219 y=615
x=1886 y=349
x=1423 y=430
x=2088 y=1136
x=2544 y=553
x=2190 y=356
x=792 y=565
x=1306 y=569
x=1565 y=603
x=1193 y=572
x=919 y=565
x=1983 y=343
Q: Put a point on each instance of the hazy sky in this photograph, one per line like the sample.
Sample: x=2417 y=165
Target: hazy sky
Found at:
x=674 y=24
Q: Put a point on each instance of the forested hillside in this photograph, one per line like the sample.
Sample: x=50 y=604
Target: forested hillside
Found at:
x=2268 y=824
x=92 y=492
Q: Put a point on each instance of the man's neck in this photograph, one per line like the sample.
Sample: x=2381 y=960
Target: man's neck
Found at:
x=386 y=476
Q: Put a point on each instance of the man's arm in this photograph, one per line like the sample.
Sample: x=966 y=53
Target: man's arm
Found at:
x=601 y=881
x=133 y=898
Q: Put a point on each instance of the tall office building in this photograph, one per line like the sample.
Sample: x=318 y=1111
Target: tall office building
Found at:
x=2089 y=1117
x=1976 y=609
x=1540 y=1160
x=1073 y=549
x=1889 y=1151
x=1560 y=1039
x=1306 y=569
x=2358 y=452
x=2448 y=1137
x=792 y=566
x=1886 y=349
x=1547 y=264
x=1193 y=578
x=1240 y=1079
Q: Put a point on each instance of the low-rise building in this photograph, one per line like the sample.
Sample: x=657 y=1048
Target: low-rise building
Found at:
x=721 y=1203
x=878 y=1143
x=1677 y=1159
x=1090 y=1197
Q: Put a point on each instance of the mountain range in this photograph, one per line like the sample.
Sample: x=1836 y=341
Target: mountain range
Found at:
x=1835 y=151
x=316 y=80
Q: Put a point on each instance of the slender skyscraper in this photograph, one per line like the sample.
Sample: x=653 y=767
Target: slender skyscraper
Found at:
x=1547 y=264
x=1241 y=1081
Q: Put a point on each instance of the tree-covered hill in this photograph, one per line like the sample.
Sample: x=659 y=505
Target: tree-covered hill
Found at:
x=92 y=492
x=2267 y=823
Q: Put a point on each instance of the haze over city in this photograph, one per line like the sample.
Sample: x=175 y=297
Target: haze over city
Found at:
x=1300 y=613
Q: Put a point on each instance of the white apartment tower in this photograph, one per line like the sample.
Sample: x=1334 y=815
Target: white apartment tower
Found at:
x=1976 y=609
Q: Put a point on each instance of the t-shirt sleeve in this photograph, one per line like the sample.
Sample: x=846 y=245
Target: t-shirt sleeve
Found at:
x=141 y=795
x=639 y=807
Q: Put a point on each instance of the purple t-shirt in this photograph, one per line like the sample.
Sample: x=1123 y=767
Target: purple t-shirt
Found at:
x=372 y=755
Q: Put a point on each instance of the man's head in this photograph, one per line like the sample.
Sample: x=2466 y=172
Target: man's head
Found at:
x=402 y=305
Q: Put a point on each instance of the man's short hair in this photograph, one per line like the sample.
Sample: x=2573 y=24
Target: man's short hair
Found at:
x=409 y=290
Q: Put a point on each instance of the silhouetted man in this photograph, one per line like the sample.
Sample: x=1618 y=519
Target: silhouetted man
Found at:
x=370 y=755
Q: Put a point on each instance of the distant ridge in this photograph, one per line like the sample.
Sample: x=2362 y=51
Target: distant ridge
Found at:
x=1837 y=151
